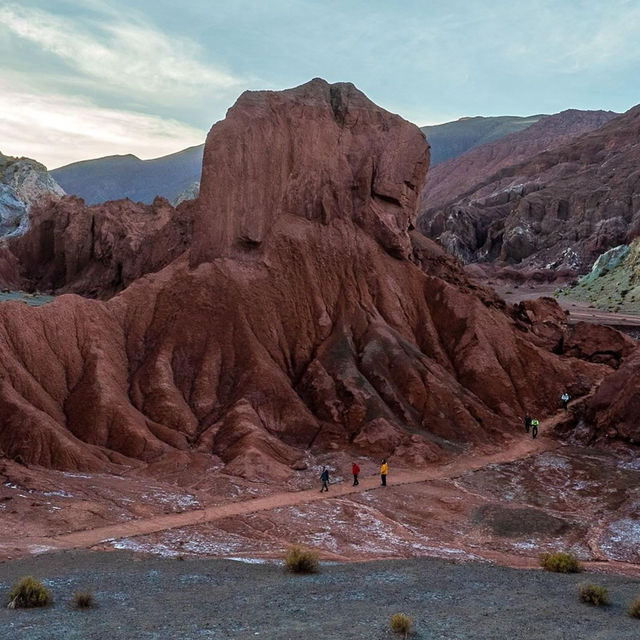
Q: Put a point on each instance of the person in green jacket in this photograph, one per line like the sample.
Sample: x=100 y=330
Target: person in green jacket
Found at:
x=534 y=427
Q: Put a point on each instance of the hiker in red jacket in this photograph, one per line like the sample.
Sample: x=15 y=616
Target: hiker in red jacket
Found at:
x=355 y=469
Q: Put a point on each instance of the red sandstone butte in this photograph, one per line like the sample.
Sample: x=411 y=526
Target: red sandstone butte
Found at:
x=306 y=315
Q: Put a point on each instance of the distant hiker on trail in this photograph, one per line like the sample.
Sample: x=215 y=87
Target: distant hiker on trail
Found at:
x=565 y=397
x=355 y=469
x=527 y=423
x=534 y=427
x=325 y=479
x=384 y=470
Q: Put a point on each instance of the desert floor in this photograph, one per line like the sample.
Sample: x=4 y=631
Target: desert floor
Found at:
x=152 y=598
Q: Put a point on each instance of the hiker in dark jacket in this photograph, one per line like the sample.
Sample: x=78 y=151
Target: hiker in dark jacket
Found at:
x=527 y=423
x=355 y=469
x=325 y=479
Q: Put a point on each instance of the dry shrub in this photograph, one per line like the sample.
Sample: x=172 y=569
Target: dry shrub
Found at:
x=29 y=592
x=560 y=562
x=300 y=560
x=594 y=594
x=401 y=623
x=83 y=599
x=634 y=609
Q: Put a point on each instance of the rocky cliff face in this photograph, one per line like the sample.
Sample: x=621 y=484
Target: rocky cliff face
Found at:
x=97 y=250
x=332 y=155
x=307 y=314
x=22 y=182
x=613 y=282
x=546 y=197
x=612 y=413
x=190 y=193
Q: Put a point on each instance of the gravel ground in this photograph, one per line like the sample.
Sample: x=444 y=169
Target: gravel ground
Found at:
x=142 y=597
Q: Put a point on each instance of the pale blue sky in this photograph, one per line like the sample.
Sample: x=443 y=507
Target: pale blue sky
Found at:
x=85 y=78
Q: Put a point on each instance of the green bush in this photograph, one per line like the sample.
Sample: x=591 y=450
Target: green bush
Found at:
x=401 y=623
x=560 y=562
x=83 y=599
x=300 y=560
x=594 y=594
x=29 y=592
x=634 y=609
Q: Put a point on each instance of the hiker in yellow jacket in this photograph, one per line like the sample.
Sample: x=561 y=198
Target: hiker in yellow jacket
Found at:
x=384 y=470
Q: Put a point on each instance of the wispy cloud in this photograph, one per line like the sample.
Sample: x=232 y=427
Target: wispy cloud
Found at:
x=56 y=130
x=568 y=39
x=129 y=56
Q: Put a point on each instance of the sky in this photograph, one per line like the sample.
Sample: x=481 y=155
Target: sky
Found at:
x=82 y=79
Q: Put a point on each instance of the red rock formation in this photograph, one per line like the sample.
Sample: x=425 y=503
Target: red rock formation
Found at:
x=557 y=209
x=96 y=250
x=612 y=413
x=322 y=152
x=303 y=317
x=546 y=320
x=598 y=343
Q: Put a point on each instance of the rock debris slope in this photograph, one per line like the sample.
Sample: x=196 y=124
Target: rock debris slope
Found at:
x=306 y=314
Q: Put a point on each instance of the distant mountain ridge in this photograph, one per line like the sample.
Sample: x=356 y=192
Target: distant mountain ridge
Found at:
x=452 y=139
x=126 y=176
x=176 y=176
x=452 y=178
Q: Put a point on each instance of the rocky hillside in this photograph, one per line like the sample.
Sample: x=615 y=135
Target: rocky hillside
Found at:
x=613 y=283
x=449 y=181
x=306 y=314
x=22 y=182
x=117 y=177
x=557 y=209
x=452 y=139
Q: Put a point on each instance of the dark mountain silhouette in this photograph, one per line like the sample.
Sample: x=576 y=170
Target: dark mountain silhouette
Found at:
x=452 y=139
x=117 y=177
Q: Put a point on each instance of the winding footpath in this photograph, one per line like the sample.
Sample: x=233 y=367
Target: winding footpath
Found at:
x=521 y=448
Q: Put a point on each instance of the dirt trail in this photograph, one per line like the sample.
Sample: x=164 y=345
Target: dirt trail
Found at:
x=522 y=447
